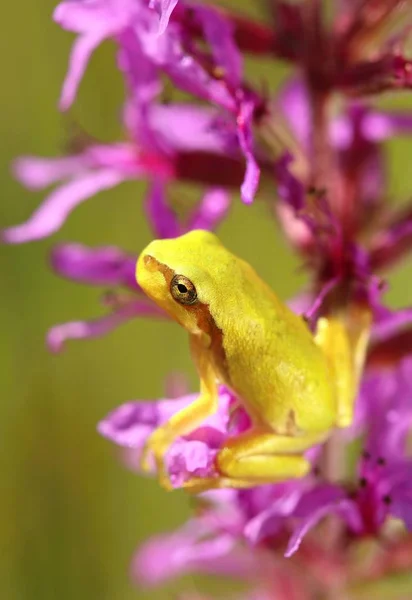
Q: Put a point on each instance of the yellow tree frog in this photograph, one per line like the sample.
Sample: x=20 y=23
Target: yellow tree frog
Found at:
x=295 y=385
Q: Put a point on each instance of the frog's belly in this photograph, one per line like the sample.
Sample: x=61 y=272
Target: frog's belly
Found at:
x=284 y=396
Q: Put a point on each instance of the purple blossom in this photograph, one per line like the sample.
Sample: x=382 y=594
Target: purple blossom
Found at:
x=164 y=8
x=195 y=143
x=102 y=19
x=103 y=267
x=356 y=136
x=100 y=167
x=210 y=211
x=192 y=549
x=97 y=169
x=93 y=22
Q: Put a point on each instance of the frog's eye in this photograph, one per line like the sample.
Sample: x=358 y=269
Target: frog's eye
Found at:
x=183 y=290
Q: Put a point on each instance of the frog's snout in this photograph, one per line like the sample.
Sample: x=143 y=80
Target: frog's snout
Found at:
x=147 y=265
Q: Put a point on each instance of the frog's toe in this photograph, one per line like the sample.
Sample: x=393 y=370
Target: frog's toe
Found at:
x=165 y=481
x=144 y=461
x=197 y=485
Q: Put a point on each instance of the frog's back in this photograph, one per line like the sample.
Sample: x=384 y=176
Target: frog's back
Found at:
x=272 y=361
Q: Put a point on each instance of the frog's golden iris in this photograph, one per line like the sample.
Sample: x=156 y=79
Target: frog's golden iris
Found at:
x=183 y=290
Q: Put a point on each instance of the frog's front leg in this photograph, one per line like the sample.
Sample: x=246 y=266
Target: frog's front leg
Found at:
x=187 y=419
x=258 y=457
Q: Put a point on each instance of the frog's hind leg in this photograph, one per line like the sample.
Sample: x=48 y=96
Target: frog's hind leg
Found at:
x=344 y=343
x=256 y=457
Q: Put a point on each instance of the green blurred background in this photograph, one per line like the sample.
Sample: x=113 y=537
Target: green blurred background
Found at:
x=71 y=515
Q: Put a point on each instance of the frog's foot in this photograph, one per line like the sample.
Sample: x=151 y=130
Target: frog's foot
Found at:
x=258 y=457
x=144 y=461
x=197 y=485
x=156 y=445
x=164 y=481
x=344 y=342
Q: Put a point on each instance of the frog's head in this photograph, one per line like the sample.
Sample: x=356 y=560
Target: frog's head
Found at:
x=178 y=274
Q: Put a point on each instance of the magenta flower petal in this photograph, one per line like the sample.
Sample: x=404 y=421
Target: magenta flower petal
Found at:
x=184 y=551
x=81 y=16
x=191 y=458
x=402 y=509
x=267 y=522
x=345 y=508
x=385 y=398
x=80 y=55
x=376 y=126
x=391 y=323
x=317 y=303
x=185 y=71
x=392 y=243
x=212 y=209
x=94 y=21
x=218 y=32
x=250 y=183
x=125 y=424
x=78 y=330
x=161 y=217
x=38 y=173
x=293 y=102
x=189 y=127
x=385 y=490
x=401 y=498
x=97 y=266
x=49 y=217
x=384 y=471
x=164 y=222
x=380 y=125
x=164 y=8
x=291 y=191
x=391 y=338
x=141 y=75
x=305 y=526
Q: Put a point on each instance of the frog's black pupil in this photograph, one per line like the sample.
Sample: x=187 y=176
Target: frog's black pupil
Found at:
x=182 y=288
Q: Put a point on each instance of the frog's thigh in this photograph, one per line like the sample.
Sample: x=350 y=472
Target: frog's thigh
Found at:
x=331 y=336
x=265 y=457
